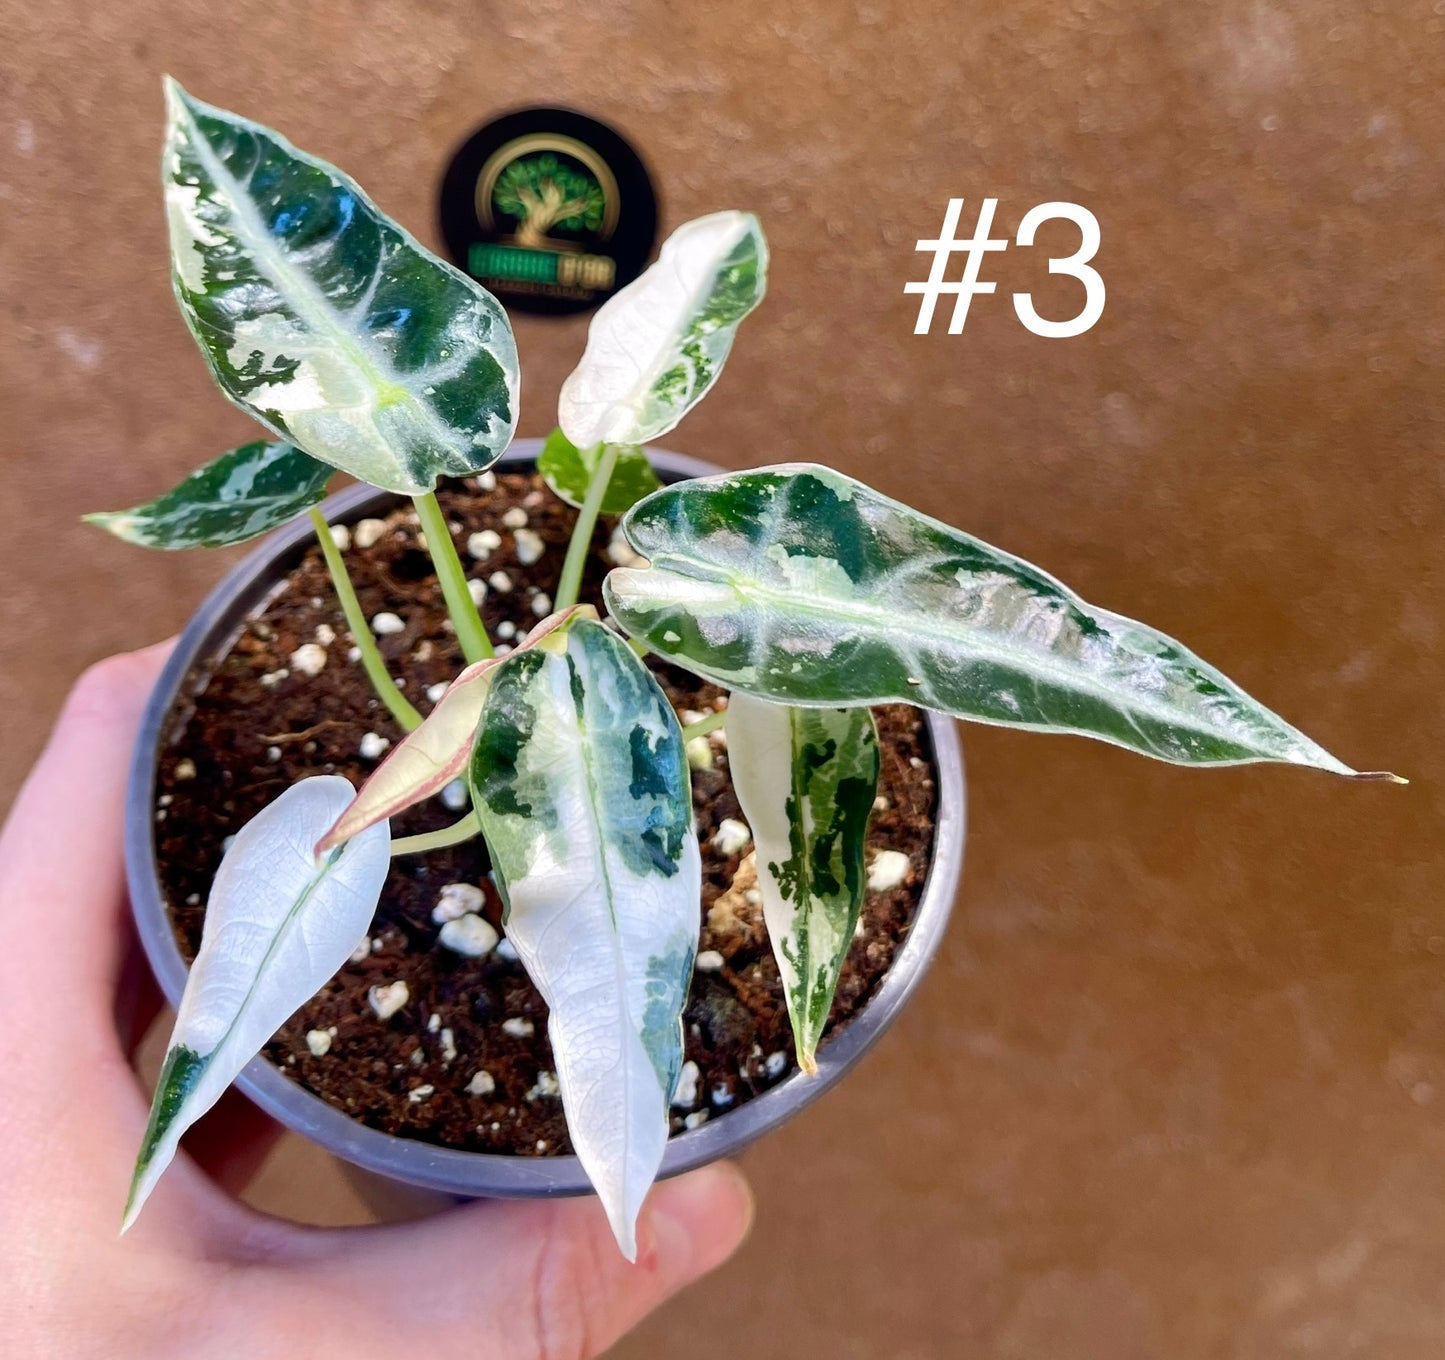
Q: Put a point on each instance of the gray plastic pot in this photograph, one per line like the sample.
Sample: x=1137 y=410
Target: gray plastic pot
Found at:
x=208 y=637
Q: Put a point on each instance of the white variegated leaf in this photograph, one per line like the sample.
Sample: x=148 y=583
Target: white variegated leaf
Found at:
x=323 y=318
x=279 y=922
x=806 y=779
x=656 y=346
x=801 y=585
x=582 y=788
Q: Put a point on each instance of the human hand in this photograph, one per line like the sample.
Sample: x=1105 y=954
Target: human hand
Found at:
x=202 y=1274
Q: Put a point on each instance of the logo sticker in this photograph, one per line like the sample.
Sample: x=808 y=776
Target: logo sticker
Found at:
x=550 y=210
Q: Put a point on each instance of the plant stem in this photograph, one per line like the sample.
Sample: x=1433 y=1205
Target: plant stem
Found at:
x=571 y=582
x=397 y=704
x=471 y=635
x=703 y=726
x=455 y=834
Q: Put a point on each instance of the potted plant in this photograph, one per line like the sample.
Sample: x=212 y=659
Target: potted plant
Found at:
x=791 y=613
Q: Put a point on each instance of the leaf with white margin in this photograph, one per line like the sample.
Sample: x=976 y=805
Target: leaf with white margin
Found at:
x=243 y=493
x=426 y=760
x=279 y=922
x=801 y=585
x=806 y=779
x=321 y=317
x=582 y=788
x=568 y=471
x=655 y=347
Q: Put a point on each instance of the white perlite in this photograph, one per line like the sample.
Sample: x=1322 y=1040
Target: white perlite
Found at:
x=319 y=1042
x=388 y=998
x=481 y=1084
x=325 y=634
x=417 y=1094
x=309 y=658
x=709 y=961
x=515 y=518
x=731 y=837
x=477 y=590
x=372 y=745
x=546 y=1087
x=457 y=899
x=541 y=604
x=454 y=796
x=506 y=630
x=500 y=582
x=362 y=951
x=696 y=1119
x=471 y=935
x=483 y=544
x=435 y=692
x=367 y=532
x=386 y=622
x=341 y=536
x=449 y=1046
x=529 y=546
x=888 y=869
x=185 y=769
x=506 y=950
x=486 y=481
x=776 y=1065
x=519 y=1027
x=685 y=1096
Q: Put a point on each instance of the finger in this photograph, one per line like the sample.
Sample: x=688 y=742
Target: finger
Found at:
x=138 y=999
x=516 y=1280
x=62 y=877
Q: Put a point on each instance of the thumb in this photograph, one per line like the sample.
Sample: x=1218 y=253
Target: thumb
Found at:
x=510 y=1279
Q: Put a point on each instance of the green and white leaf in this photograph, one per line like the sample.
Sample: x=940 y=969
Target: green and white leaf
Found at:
x=801 y=585
x=323 y=318
x=279 y=923
x=582 y=789
x=568 y=471
x=806 y=779
x=426 y=760
x=248 y=491
x=655 y=347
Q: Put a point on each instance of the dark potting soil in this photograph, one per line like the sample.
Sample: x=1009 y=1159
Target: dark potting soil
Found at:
x=253 y=723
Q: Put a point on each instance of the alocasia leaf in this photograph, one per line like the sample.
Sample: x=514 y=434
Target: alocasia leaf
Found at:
x=426 y=760
x=245 y=492
x=568 y=471
x=801 y=585
x=323 y=318
x=279 y=922
x=582 y=789
x=655 y=347
x=806 y=779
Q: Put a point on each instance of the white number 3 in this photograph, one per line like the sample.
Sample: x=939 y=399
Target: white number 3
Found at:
x=1076 y=265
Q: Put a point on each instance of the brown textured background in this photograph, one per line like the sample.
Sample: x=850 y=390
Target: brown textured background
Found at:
x=1176 y=1087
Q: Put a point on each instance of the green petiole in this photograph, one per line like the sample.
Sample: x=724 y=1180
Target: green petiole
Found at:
x=471 y=635
x=455 y=834
x=397 y=704
x=571 y=582
x=703 y=726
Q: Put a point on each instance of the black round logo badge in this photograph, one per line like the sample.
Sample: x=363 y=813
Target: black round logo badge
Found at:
x=550 y=210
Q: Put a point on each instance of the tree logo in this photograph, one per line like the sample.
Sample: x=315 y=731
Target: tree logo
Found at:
x=549 y=209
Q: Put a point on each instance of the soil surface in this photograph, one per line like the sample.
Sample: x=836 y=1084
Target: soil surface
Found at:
x=447 y=1067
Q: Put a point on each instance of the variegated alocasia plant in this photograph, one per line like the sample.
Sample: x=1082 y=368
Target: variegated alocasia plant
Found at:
x=805 y=593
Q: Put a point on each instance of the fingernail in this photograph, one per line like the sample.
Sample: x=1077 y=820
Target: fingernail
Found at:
x=699 y=1220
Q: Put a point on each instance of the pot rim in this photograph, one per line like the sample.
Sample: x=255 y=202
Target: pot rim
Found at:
x=210 y=632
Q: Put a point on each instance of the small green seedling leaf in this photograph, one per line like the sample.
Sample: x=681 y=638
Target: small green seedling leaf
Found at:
x=582 y=790
x=568 y=471
x=801 y=585
x=323 y=318
x=806 y=779
x=426 y=760
x=280 y=921
x=248 y=491
x=655 y=347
